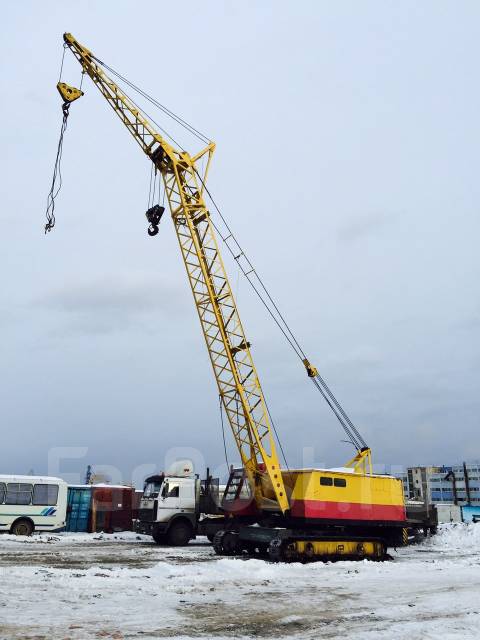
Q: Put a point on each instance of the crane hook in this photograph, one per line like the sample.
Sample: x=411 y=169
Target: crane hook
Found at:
x=154 y=215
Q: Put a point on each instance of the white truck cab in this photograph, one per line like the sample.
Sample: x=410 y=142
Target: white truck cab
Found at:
x=173 y=503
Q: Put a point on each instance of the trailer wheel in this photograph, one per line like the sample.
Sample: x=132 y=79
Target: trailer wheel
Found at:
x=22 y=527
x=179 y=534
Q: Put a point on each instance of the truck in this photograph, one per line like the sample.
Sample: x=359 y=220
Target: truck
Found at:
x=424 y=517
x=177 y=505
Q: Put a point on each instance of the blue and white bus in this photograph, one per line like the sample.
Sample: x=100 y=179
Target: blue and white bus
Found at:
x=32 y=503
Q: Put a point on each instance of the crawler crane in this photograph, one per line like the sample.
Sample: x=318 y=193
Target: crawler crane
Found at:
x=305 y=513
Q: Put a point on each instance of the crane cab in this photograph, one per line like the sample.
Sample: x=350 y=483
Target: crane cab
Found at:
x=343 y=496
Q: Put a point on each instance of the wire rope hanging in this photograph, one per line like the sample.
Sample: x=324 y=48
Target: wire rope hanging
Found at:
x=154 y=211
x=69 y=94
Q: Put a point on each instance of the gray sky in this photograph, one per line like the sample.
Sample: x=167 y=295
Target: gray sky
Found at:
x=347 y=164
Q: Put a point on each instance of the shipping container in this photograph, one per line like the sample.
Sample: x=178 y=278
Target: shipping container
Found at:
x=78 y=508
x=111 y=508
x=96 y=508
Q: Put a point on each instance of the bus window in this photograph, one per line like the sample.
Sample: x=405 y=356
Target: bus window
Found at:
x=45 y=494
x=2 y=492
x=18 y=493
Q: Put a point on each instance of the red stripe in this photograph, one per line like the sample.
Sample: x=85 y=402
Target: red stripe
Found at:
x=347 y=510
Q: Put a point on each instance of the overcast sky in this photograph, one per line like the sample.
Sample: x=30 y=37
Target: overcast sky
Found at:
x=347 y=164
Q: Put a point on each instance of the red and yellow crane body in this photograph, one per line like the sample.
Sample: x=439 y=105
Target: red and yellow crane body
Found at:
x=342 y=496
x=371 y=505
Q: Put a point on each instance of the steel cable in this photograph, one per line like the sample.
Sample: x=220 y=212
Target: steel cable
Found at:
x=223 y=430
x=350 y=429
x=57 y=173
x=156 y=103
x=257 y=284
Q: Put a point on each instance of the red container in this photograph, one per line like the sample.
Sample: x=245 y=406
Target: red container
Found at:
x=111 y=508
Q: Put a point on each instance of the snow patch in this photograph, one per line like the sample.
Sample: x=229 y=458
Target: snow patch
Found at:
x=74 y=538
x=462 y=536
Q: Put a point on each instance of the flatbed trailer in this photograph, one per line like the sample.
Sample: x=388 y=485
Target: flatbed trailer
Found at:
x=422 y=519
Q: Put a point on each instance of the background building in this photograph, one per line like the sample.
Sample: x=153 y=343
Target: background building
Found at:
x=459 y=484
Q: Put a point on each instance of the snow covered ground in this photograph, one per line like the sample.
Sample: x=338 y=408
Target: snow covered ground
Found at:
x=81 y=586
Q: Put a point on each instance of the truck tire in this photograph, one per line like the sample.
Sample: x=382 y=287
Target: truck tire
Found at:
x=22 y=527
x=179 y=534
x=158 y=537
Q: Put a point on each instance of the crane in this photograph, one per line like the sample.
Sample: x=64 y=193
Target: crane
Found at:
x=275 y=490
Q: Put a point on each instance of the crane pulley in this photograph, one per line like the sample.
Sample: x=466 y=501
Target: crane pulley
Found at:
x=69 y=95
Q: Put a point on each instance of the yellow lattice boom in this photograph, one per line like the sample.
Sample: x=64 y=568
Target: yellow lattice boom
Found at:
x=227 y=345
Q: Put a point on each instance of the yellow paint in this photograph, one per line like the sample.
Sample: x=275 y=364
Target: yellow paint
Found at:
x=361 y=462
x=359 y=489
x=68 y=93
x=326 y=548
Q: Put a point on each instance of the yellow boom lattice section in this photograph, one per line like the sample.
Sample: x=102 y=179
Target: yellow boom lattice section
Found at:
x=227 y=345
